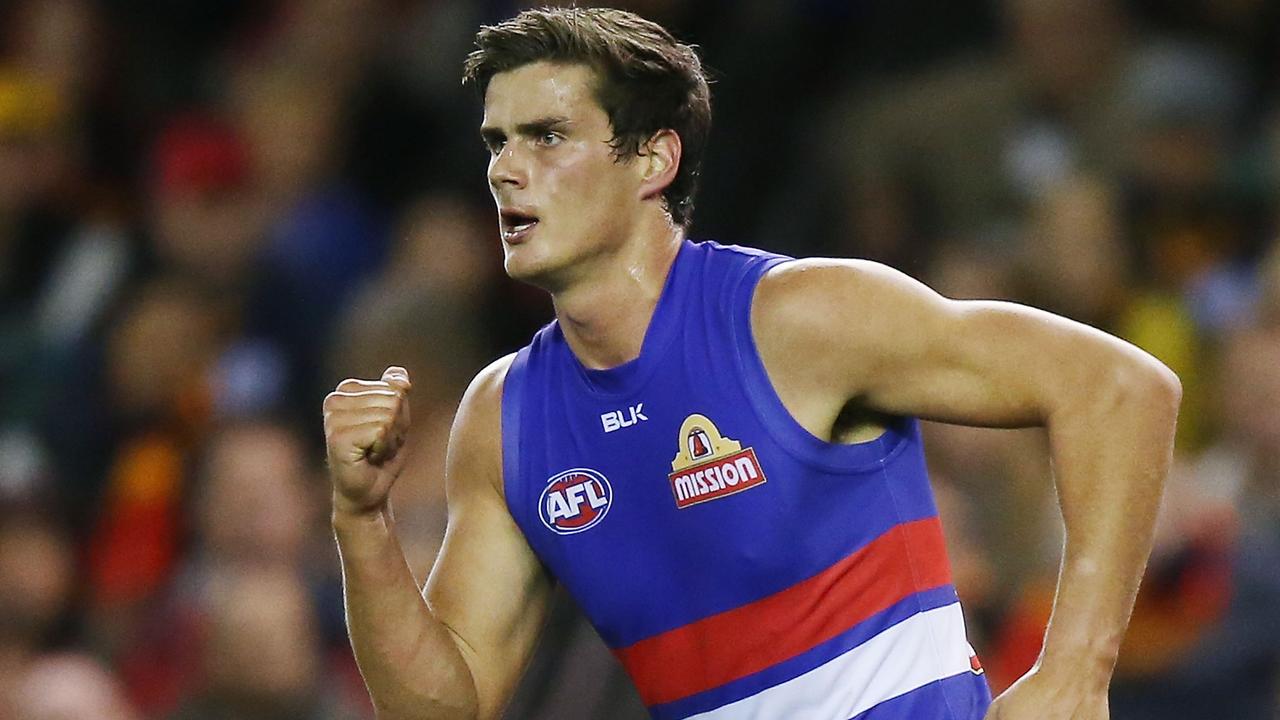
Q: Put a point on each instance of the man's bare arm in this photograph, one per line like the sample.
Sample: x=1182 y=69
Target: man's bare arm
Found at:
x=832 y=332
x=459 y=652
x=487 y=585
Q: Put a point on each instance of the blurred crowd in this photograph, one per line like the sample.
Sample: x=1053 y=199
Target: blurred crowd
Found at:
x=210 y=212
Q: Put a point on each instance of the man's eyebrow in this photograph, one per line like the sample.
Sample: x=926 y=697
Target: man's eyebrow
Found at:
x=541 y=125
x=534 y=127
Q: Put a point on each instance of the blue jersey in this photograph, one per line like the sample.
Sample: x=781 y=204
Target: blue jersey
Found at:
x=738 y=566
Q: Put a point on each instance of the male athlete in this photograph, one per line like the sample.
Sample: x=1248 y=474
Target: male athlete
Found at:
x=713 y=448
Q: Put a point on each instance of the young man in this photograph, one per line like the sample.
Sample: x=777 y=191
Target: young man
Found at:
x=713 y=447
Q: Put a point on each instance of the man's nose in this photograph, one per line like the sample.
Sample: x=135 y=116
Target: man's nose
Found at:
x=507 y=168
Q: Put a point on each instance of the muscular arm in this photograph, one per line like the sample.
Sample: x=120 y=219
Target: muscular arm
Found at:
x=487 y=585
x=457 y=649
x=833 y=332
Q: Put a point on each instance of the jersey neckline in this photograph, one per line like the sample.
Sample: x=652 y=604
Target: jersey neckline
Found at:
x=630 y=376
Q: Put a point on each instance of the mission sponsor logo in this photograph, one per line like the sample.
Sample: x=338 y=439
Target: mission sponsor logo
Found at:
x=574 y=501
x=709 y=465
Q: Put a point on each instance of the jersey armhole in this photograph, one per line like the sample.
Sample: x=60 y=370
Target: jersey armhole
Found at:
x=773 y=414
x=515 y=488
x=512 y=408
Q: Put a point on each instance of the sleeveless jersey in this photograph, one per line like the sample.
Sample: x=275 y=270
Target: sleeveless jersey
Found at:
x=737 y=565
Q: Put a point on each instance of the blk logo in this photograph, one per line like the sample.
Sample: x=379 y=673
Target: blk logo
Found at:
x=574 y=501
x=617 y=419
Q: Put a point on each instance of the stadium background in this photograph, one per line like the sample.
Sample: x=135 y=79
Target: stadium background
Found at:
x=212 y=211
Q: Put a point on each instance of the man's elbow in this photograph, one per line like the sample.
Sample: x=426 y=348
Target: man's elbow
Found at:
x=423 y=708
x=1163 y=387
x=1149 y=385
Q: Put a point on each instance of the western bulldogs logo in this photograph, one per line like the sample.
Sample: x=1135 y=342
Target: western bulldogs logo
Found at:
x=574 y=501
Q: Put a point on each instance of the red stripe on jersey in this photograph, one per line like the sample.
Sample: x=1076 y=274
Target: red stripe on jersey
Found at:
x=710 y=652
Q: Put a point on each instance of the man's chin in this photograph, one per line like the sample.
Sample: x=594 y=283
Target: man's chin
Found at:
x=524 y=264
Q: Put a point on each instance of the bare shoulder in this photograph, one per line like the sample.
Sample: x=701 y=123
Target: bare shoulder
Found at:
x=475 y=442
x=865 y=332
x=805 y=301
x=484 y=394
x=834 y=280
x=820 y=326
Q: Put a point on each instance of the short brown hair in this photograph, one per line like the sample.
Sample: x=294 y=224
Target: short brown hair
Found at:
x=647 y=81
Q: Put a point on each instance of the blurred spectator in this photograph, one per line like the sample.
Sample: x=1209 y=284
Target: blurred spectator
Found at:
x=254 y=504
x=206 y=220
x=58 y=42
x=257 y=502
x=1075 y=253
x=447 y=246
x=962 y=149
x=262 y=657
x=57 y=270
x=1225 y=643
x=324 y=240
x=38 y=563
x=70 y=687
x=157 y=358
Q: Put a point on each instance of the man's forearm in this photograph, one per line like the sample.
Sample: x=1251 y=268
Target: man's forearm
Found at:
x=408 y=659
x=1111 y=449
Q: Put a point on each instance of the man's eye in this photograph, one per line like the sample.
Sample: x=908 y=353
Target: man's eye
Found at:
x=550 y=139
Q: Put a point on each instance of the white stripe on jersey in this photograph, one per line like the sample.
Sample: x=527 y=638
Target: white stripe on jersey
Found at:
x=925 y=647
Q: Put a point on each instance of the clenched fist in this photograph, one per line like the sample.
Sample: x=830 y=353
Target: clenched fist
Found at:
x=365 y=425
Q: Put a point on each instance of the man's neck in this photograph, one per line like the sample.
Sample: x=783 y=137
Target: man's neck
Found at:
x=604 y=317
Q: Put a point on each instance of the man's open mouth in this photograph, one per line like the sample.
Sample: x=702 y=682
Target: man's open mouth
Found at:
x=516 y=224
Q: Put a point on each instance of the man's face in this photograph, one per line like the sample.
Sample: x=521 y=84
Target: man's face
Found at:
x=562 y=199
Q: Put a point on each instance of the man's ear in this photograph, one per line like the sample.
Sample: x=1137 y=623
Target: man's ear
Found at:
x=659 y=161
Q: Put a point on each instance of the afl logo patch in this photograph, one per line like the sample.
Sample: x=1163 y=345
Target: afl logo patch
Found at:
x=574 y=501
